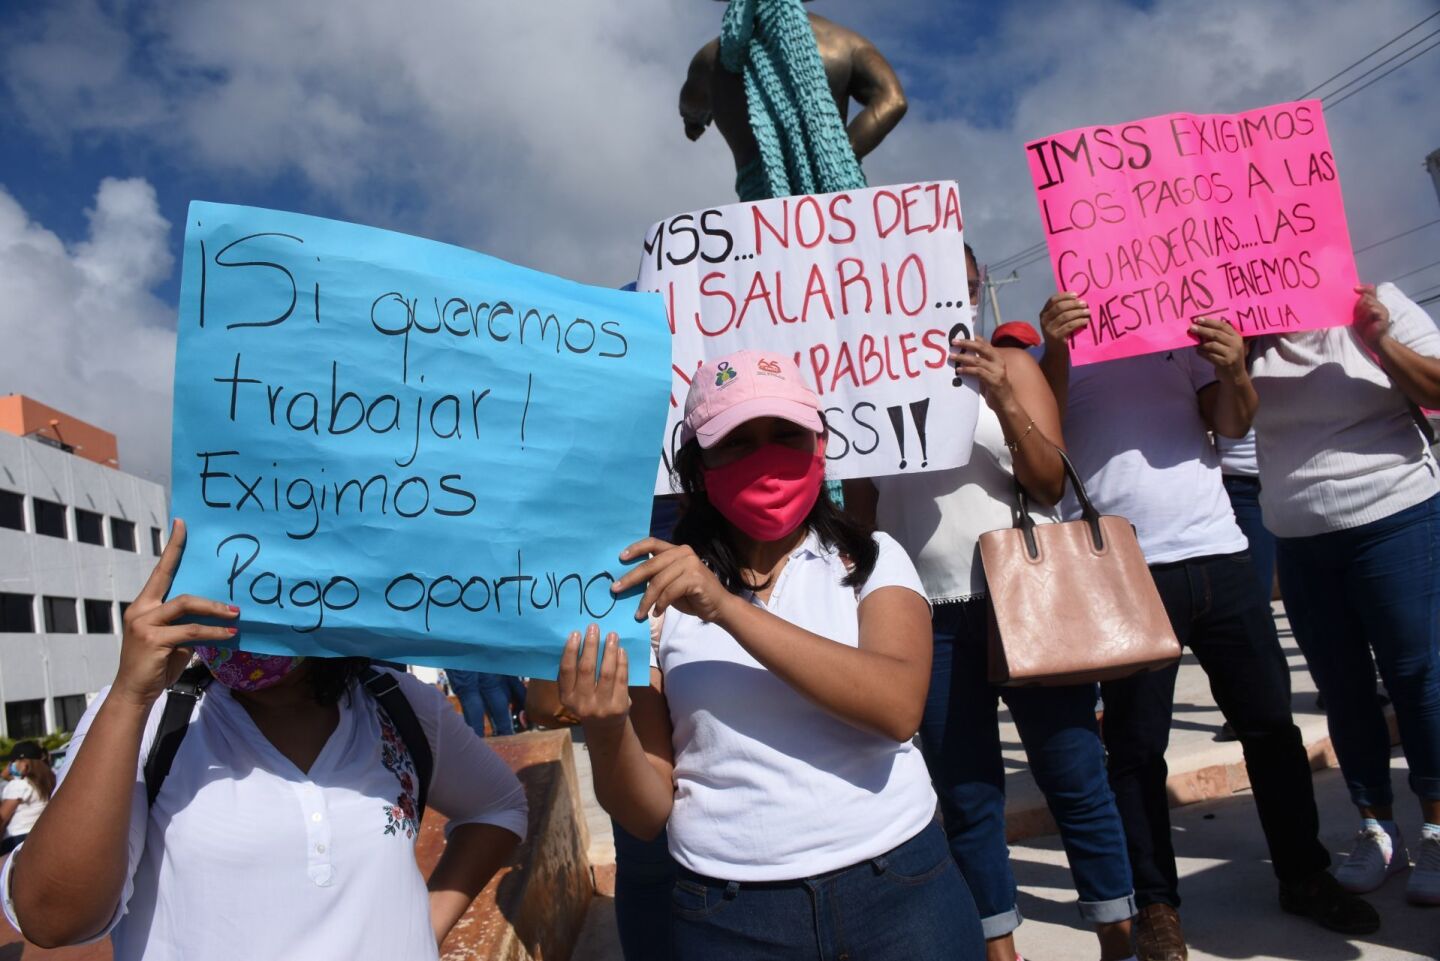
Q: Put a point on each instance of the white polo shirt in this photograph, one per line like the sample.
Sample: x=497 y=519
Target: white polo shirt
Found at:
x=769 y=786
x=1136 y=436
x=243 y=856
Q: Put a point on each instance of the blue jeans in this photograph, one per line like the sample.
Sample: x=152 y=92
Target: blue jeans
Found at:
x=1245 y=500
x=1363 y=597
x=644 y=875
x=960 y=738
x=481 y=694
x=1214 y=611
x=909 y=904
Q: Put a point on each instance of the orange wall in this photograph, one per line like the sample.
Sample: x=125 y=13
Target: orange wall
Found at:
x=20 y=415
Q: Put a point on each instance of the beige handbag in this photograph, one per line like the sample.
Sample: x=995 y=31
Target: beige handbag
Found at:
x=1072 y=603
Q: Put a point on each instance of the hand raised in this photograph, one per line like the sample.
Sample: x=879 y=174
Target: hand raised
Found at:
x=1064 y=315
x=1220 y=344
x=674 y=577
x=1372 y=318
x=151 y=655
x=984 y=362
x=597 y=701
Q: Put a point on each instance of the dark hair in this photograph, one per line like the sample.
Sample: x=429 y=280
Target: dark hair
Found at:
x=970 y=255
x=705 y=529
x=329 y=677
x=41 y=777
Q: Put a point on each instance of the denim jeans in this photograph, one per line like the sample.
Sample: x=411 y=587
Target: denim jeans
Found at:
x=1363 y=597
x=909 y=904
x=960 y=738
x=481 y=694
x=1245 y=500
x=1215 y=612
x=644 y=875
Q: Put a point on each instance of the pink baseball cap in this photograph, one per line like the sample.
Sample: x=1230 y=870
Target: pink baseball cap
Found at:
x=730 y=390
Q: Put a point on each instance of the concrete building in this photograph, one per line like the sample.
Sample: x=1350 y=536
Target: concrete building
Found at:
x=78 y=539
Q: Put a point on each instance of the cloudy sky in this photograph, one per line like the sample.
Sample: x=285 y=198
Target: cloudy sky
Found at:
x=547 y=134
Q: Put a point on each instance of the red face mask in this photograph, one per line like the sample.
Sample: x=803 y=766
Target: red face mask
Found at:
x=769 y=493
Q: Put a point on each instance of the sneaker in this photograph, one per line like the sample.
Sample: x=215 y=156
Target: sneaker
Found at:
x=1377 y=855
x=1321 y=899
x=1424 y=884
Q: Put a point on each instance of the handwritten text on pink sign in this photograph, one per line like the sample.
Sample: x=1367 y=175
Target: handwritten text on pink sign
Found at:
x=1158 y=222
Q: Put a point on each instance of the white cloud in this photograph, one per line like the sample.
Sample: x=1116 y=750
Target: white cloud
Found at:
x=82 y=330
x=548 y=134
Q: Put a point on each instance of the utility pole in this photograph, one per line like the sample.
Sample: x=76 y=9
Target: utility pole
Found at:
x=1432 y=164
x=989 y=285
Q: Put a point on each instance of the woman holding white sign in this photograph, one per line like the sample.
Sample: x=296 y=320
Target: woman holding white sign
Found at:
x=789 y=678
x=282 y=823
x=939 y=518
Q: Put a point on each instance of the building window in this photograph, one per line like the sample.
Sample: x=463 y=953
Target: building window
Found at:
x=49 y=518
x=89 y=527
x=25 y=719
x=155 y=546
x=68 y=711
x=97 y=618
x=60 y=616
x=12 y=510
x=122 y=535
x=17 y=614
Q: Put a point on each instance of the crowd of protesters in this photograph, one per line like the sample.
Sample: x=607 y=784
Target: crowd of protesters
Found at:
x=799 y=649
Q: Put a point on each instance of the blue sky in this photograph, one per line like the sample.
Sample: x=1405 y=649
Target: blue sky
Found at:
x=547 y=134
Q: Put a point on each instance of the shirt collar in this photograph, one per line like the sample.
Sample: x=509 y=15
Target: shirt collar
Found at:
x=812 y=546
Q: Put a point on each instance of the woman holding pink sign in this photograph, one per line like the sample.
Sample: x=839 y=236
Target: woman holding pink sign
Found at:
x=1352 y=492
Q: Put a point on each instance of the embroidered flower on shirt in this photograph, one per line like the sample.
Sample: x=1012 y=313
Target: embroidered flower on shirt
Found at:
x=400 y=816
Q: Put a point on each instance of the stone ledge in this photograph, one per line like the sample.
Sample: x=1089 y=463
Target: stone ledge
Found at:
x=535 y=907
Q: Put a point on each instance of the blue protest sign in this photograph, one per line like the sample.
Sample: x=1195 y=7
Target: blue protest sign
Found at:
x=393 y=447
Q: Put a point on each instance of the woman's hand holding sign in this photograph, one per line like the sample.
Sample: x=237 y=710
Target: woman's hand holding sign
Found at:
x=151 y=653
x=1220 y=344
x=676 y=578
x=596 y=699
x=1064 y=316
x=977 y=358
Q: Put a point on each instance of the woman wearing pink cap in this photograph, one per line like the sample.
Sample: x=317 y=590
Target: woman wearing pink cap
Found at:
x=788 y=680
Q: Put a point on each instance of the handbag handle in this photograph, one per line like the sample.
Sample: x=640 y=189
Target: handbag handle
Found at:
x=1088 y=513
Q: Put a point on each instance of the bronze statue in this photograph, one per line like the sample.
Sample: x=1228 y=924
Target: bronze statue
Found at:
x=853 y=68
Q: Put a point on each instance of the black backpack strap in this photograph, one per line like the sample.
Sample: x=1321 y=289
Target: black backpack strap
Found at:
x=386 y=690
x=180 y=701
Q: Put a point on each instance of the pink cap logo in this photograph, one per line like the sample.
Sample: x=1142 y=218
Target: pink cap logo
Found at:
x=724 y=374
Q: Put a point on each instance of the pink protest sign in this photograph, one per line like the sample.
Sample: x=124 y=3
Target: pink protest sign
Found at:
x=1157 y=222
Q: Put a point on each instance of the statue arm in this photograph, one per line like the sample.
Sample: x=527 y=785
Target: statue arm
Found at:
x=695 y=108
x=873 y=82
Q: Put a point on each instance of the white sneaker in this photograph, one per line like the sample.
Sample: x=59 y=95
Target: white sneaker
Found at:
x=1424 y=884
x=1376 y=856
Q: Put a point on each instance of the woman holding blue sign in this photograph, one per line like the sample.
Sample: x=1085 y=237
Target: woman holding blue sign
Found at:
x=789 y=678
x=282 y=821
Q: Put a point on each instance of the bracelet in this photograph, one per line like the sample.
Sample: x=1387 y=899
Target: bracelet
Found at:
x=1015 y=447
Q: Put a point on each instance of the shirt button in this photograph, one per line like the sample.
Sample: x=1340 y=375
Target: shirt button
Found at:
x=320 y=848
x=316 y=816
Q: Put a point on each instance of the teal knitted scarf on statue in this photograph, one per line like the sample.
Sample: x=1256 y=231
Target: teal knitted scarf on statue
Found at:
x=803 y=145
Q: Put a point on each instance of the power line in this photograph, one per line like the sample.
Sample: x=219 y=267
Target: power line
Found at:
x=1333 y=104
x=1412 y=273
x=1372 y=53
x=1024 y=258
x=1412 y=230
x=1390 y=59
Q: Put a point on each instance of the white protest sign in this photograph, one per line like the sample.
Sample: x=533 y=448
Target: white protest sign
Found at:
x=865 y=289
